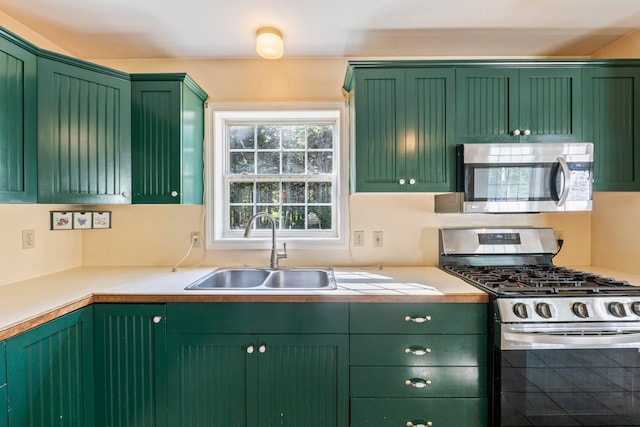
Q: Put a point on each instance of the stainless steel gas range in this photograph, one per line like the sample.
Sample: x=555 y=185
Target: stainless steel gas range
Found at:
x=564 y=345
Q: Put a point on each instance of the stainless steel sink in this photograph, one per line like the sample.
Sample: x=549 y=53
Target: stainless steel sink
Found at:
x=267 y=279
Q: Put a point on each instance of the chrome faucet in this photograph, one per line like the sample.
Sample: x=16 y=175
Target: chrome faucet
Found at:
x=275 y=255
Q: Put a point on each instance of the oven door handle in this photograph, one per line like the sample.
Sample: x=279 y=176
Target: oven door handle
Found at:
x=592 y=340
x=566 y=182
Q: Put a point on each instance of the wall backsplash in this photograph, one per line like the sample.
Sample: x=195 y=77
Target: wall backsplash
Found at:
x=160 y=235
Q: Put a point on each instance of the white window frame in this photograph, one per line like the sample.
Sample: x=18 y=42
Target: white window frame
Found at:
x=216 y=211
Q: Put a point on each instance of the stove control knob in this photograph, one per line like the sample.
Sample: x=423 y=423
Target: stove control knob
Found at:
x=544 y=310
x=617 y=309
x=521 y=310
x=580 y=309
x=635 y=307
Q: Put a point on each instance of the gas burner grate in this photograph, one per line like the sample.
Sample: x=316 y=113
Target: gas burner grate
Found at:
x=539 y=280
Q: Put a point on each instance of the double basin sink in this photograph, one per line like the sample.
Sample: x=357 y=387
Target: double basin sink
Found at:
x=267 y=279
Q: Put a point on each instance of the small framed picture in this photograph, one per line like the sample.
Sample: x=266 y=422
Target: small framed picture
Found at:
x=102 y=219
x=82 y=220
x=61 y=220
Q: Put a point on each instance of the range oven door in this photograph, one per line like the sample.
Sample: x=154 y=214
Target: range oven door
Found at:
x=574 y=377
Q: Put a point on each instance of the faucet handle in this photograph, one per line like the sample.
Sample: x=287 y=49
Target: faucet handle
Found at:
x=283 y=254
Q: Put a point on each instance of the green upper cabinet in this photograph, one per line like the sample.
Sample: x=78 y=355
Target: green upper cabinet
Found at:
x=167 y=139
x=50 y=373
x=84 y=133
x=130 y=365
x=506 y=104
x=18 y=130
x=611 y=117
x=404 y=120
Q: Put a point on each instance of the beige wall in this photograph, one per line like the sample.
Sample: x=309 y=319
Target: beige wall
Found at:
x=159 y=235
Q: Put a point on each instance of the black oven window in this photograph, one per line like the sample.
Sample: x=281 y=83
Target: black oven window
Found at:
x=570 y=388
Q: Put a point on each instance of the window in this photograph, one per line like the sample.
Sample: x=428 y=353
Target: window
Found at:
x=287 y=162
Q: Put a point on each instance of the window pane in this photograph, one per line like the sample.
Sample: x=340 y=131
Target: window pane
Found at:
x=268 y=192
x=320 y=162
x=319 y=192
x=293 y=192
x=241 y=137
x=320 y=137
x=263 y=222
x=242 y=162
x=293 y=162
x=239 y=216
x=241 y=192
x=268 y=137
x=294 y=218
x=293 y=137
x=319 y=217
x=269 y=163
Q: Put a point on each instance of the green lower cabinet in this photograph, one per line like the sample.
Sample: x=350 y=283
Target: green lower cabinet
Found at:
x=50 y=373
x=130 y=374
x=4 y=414
x=414 y=412
x=238 y=380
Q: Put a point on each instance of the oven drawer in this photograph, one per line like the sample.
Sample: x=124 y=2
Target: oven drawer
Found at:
x=413 y=381
x=471 y=412
x=418 y=350
x=415 y=318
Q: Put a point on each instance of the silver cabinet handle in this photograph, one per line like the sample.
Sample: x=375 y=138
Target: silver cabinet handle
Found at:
x=250 y=349
x=412 y=181
x=516 y=132
x=174 y=193
x=427 y=424
x=262 y=348
x=417 y=382
x=417 y=319
x=125 y=194
x=402 y=181
x=526 y=132
x=417 y=351
x=157 y=319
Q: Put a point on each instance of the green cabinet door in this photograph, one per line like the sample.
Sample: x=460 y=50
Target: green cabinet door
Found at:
x=18 y=134
x=611 y=118
x=50 y=373
x=84 y=133
x=241 y=380
x=500 y=104
x=4 y=408
x=404 y=120
x=130 y=362
x=167 y=126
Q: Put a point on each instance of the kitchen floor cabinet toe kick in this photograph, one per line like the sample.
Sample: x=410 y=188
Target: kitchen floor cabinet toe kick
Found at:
x=317 y=364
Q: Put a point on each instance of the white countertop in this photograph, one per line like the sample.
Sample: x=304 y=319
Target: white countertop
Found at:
x=31 y=302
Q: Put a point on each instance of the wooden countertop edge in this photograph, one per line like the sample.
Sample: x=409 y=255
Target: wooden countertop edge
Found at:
x=82 y=302
x=164 y=298
x=45 y=317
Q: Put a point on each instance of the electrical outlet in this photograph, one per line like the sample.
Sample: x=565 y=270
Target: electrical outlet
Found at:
x=358 y=239
x=28 y=239
x=377 y=239
x=195 y=238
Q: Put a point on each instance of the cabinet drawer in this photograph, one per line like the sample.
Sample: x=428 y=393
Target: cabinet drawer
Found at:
x=418 y=350
x=399 y=412
x=440 y=381
x=434 y=318
x=258 y=318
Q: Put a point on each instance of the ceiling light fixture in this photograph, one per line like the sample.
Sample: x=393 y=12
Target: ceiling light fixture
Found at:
x=269 y=44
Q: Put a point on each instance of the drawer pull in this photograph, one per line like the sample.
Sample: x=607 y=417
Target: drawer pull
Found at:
x=250 y=349
x=417 y=351
x=417 y=319
x=418 y=382
x=425 y=424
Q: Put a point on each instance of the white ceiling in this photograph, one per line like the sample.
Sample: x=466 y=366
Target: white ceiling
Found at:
x=120 y=29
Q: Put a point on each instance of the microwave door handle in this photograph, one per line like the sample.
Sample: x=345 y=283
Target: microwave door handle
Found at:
x=566 y=182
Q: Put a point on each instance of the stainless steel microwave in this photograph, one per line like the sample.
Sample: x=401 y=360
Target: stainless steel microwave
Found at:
x=532 y=177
